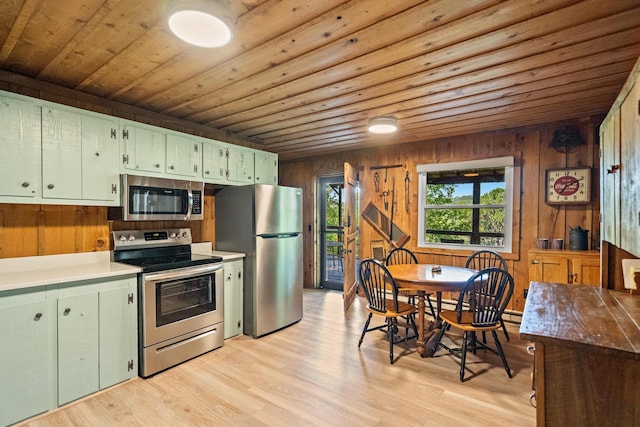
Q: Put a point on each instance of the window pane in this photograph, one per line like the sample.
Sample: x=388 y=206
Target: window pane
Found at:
x=445 y=194
x=492 y=193
x=492 y=220
x=449 y=219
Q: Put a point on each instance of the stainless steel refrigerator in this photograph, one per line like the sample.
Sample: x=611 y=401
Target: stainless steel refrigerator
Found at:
x=264 y=222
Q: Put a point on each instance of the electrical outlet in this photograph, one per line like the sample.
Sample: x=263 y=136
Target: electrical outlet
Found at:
x=526 y=292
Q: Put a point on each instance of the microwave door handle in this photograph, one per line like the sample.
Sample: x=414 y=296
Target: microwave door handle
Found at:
x=189 y=205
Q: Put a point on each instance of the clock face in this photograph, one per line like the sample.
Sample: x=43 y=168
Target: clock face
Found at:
x=571 y=185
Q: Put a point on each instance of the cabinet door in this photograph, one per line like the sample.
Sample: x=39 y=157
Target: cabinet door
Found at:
x=118 y=332
x=233 y=291
x=214 y=161
x=629 y=171
x=19 y=148
x=100 y=151
x=77 y=346
x=266 y=168
x=61 y=154
x=183 y=155
x=610 y=180
x=143 y=149
x=586 y=271
x=240 y=163
x=26 y=350
x=549 y=268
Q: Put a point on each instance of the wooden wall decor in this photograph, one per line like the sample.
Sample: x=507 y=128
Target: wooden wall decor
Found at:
x=384 y=226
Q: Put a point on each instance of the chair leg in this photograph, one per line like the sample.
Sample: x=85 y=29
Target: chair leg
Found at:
x=433 y=312
x=390 y=333
x=364 y=331
x=504 y=329
x=443 y=328
x=463 y=355
x=413 y=323
x=501 y=353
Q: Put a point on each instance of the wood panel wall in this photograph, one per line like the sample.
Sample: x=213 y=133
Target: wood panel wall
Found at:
x=533 y=218
x=30 y=230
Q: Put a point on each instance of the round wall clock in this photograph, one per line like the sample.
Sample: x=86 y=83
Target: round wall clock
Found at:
x=568 y=186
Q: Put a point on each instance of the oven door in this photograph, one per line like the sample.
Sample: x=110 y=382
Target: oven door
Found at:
x=177 y=302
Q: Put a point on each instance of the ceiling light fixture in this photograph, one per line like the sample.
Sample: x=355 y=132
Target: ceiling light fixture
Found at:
x=203 y=23
x=383 y=124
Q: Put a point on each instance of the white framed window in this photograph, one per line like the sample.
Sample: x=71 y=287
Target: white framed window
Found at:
x=466 y=205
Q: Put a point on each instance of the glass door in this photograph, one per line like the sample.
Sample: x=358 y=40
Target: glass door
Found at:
x=331 y=206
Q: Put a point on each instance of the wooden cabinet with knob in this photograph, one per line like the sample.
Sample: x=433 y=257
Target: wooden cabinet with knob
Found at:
x=143 y=149
x=183 y=155
x=27 y=346
x=587 y=354
x=233 y=297
x=61 y=342
x=19 y=148
x=564 y=266
x=619 y=165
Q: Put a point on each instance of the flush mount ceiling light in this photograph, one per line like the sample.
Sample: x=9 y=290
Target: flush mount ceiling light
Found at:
x=383 y=124
x=202 y=23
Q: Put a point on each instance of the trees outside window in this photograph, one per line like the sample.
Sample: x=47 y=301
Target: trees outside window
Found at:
x=466 y=204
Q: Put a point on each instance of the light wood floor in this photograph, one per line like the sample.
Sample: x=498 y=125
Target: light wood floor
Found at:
x=313 y=374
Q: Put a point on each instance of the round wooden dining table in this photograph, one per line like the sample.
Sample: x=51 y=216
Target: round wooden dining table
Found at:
x=424 y=279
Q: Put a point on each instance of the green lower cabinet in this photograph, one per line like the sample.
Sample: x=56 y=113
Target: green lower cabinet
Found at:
x=118 y=333
x=77 y=346
x=233 y=292
x=63 y=342
x=26 y=349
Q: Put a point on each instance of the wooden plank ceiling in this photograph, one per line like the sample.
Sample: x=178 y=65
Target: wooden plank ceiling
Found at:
x=302 y=78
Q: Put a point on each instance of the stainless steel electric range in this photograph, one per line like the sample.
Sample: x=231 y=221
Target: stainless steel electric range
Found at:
x=180 y=296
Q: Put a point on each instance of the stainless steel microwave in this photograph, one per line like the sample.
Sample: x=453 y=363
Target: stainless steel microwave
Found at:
x=158 y=199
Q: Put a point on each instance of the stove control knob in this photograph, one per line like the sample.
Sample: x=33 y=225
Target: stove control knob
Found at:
x=172 y=235
x=131 y=238
x=123 y=238
x=184 y=234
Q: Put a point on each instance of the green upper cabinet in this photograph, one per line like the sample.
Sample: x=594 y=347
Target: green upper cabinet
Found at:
x=183 y=155
x=61 y=154
x=214 y=161
x=19 y=148
x=266 y=168
x=240 y=164
x=143 y=148
x=100 y=152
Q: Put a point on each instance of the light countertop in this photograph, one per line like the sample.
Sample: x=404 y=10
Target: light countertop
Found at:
x=26 y=272
x=204 y=248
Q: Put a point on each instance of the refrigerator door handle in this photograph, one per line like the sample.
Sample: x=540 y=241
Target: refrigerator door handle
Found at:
x=278 y=235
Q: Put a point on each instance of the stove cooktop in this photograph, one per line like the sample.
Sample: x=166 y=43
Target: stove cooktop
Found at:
x=158 y=250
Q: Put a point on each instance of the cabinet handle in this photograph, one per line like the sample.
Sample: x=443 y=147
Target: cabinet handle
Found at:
x=170 y=167
x=613 y=169
x=575 y=277
x=97 y=154
x=531 y=349
x=535 y=261
x=157 y=165
x=25 y=184
x=50 y=186
x=206 y=172
x=37 y=317
x=67 y=311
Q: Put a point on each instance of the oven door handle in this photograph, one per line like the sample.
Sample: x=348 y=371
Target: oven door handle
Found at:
x=181 y=273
